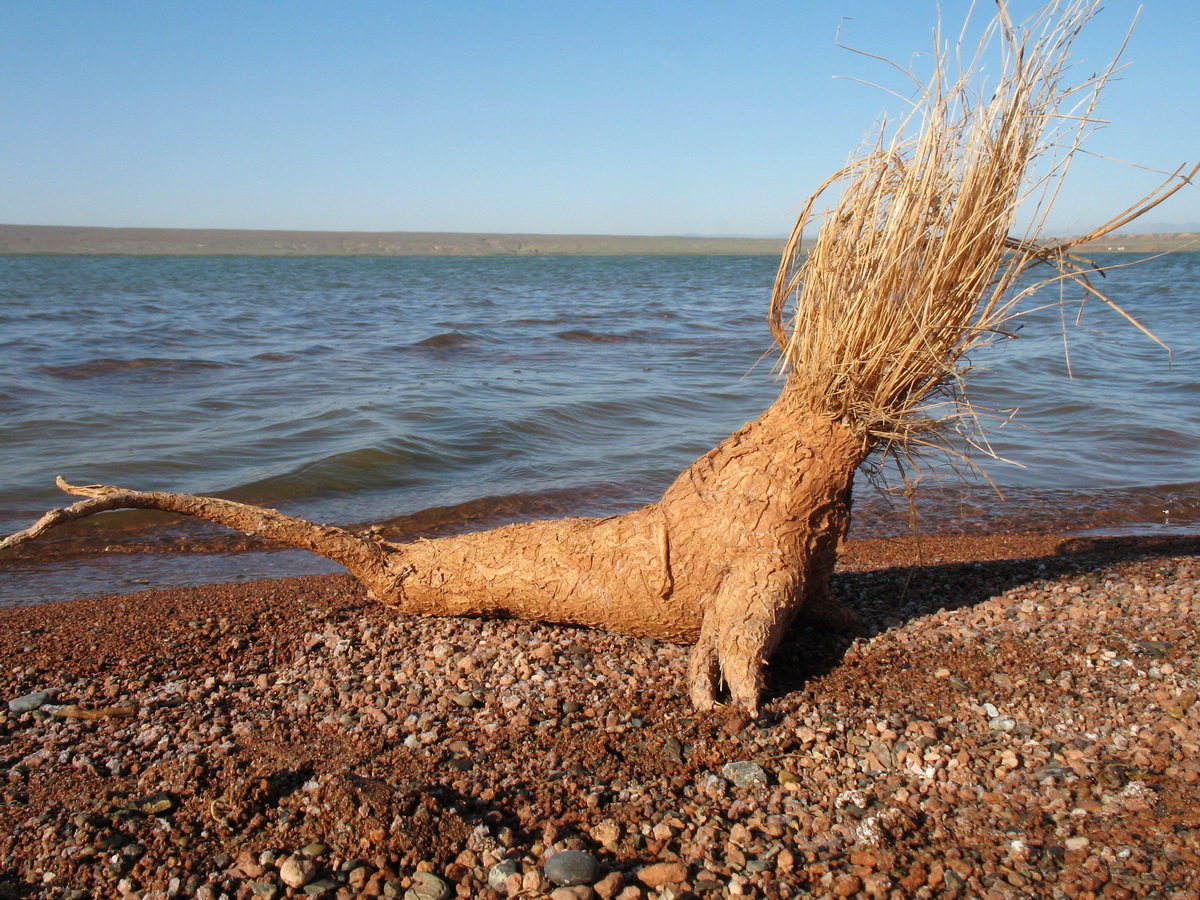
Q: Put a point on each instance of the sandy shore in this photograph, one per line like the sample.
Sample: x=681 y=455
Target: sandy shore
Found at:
x=1019 y=719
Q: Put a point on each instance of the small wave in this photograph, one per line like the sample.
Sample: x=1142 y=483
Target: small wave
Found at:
x=98 y=368
x=396 y=464
x=593 y=337
x=275 y=357
x=448 y=341
x=1170 y=506
x=535 y=321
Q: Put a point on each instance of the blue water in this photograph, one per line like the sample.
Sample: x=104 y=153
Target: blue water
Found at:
x=356 y=390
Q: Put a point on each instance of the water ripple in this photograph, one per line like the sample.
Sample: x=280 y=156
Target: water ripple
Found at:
x=360 y=389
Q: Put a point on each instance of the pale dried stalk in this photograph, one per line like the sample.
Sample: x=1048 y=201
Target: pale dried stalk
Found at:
x=915 y=267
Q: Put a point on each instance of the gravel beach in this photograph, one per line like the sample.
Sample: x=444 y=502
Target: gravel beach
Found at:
x=1017 y=718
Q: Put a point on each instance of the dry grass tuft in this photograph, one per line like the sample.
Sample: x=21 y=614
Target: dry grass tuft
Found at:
x=915 y=266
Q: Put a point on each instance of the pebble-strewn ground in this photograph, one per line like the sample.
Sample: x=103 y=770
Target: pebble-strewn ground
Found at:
x=1015 y=728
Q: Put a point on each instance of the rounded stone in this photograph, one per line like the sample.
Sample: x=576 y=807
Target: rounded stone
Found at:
x=657 y=874
x=744 y=773
x=29 y=702
x=673 y=749
x=154 y=804
x=297 y=871
x=314 y=850
x=499 y=874
x=427 y=886
x=571 y=867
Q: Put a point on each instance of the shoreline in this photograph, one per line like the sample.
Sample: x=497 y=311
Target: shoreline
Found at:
x=102 y=241
x=84 y=560
x=1018 y=718
x=69 y=240
x=139 y=550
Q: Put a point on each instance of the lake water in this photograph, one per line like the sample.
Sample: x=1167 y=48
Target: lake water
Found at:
x=356 y=390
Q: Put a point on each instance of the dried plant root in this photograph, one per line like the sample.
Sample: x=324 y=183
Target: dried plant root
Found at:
x=912 y=269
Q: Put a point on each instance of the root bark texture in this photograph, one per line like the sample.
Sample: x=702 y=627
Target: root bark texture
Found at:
x=741 y=543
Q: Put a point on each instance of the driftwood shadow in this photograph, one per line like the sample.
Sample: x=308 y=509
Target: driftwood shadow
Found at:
x=889 y=598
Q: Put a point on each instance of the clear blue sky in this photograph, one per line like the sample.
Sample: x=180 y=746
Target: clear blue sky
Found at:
x=565 y=116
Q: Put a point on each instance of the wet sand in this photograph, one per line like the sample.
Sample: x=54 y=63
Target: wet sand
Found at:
x=1018 y=718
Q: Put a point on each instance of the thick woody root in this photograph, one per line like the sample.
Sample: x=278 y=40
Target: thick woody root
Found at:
x=341 y=546
x=782 y=570
x=739 y=545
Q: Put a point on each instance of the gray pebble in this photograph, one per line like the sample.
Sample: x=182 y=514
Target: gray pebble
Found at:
x=673 y=749
x=744 y=773
x=427 y=886
x=499 y=874
x=467 y=700
x=1044 y=773
x=29 y=702
x=1153 y=649
x=572 y=867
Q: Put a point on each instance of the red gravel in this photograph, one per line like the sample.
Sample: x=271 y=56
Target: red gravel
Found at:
x=1023 y=722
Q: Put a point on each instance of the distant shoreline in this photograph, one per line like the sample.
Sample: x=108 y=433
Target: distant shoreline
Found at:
x=68 y=240
x=74 y=241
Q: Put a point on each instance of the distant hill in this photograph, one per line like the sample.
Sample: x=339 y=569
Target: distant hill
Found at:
x=55 y=239
x=63 y=239
x=1143 y=243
